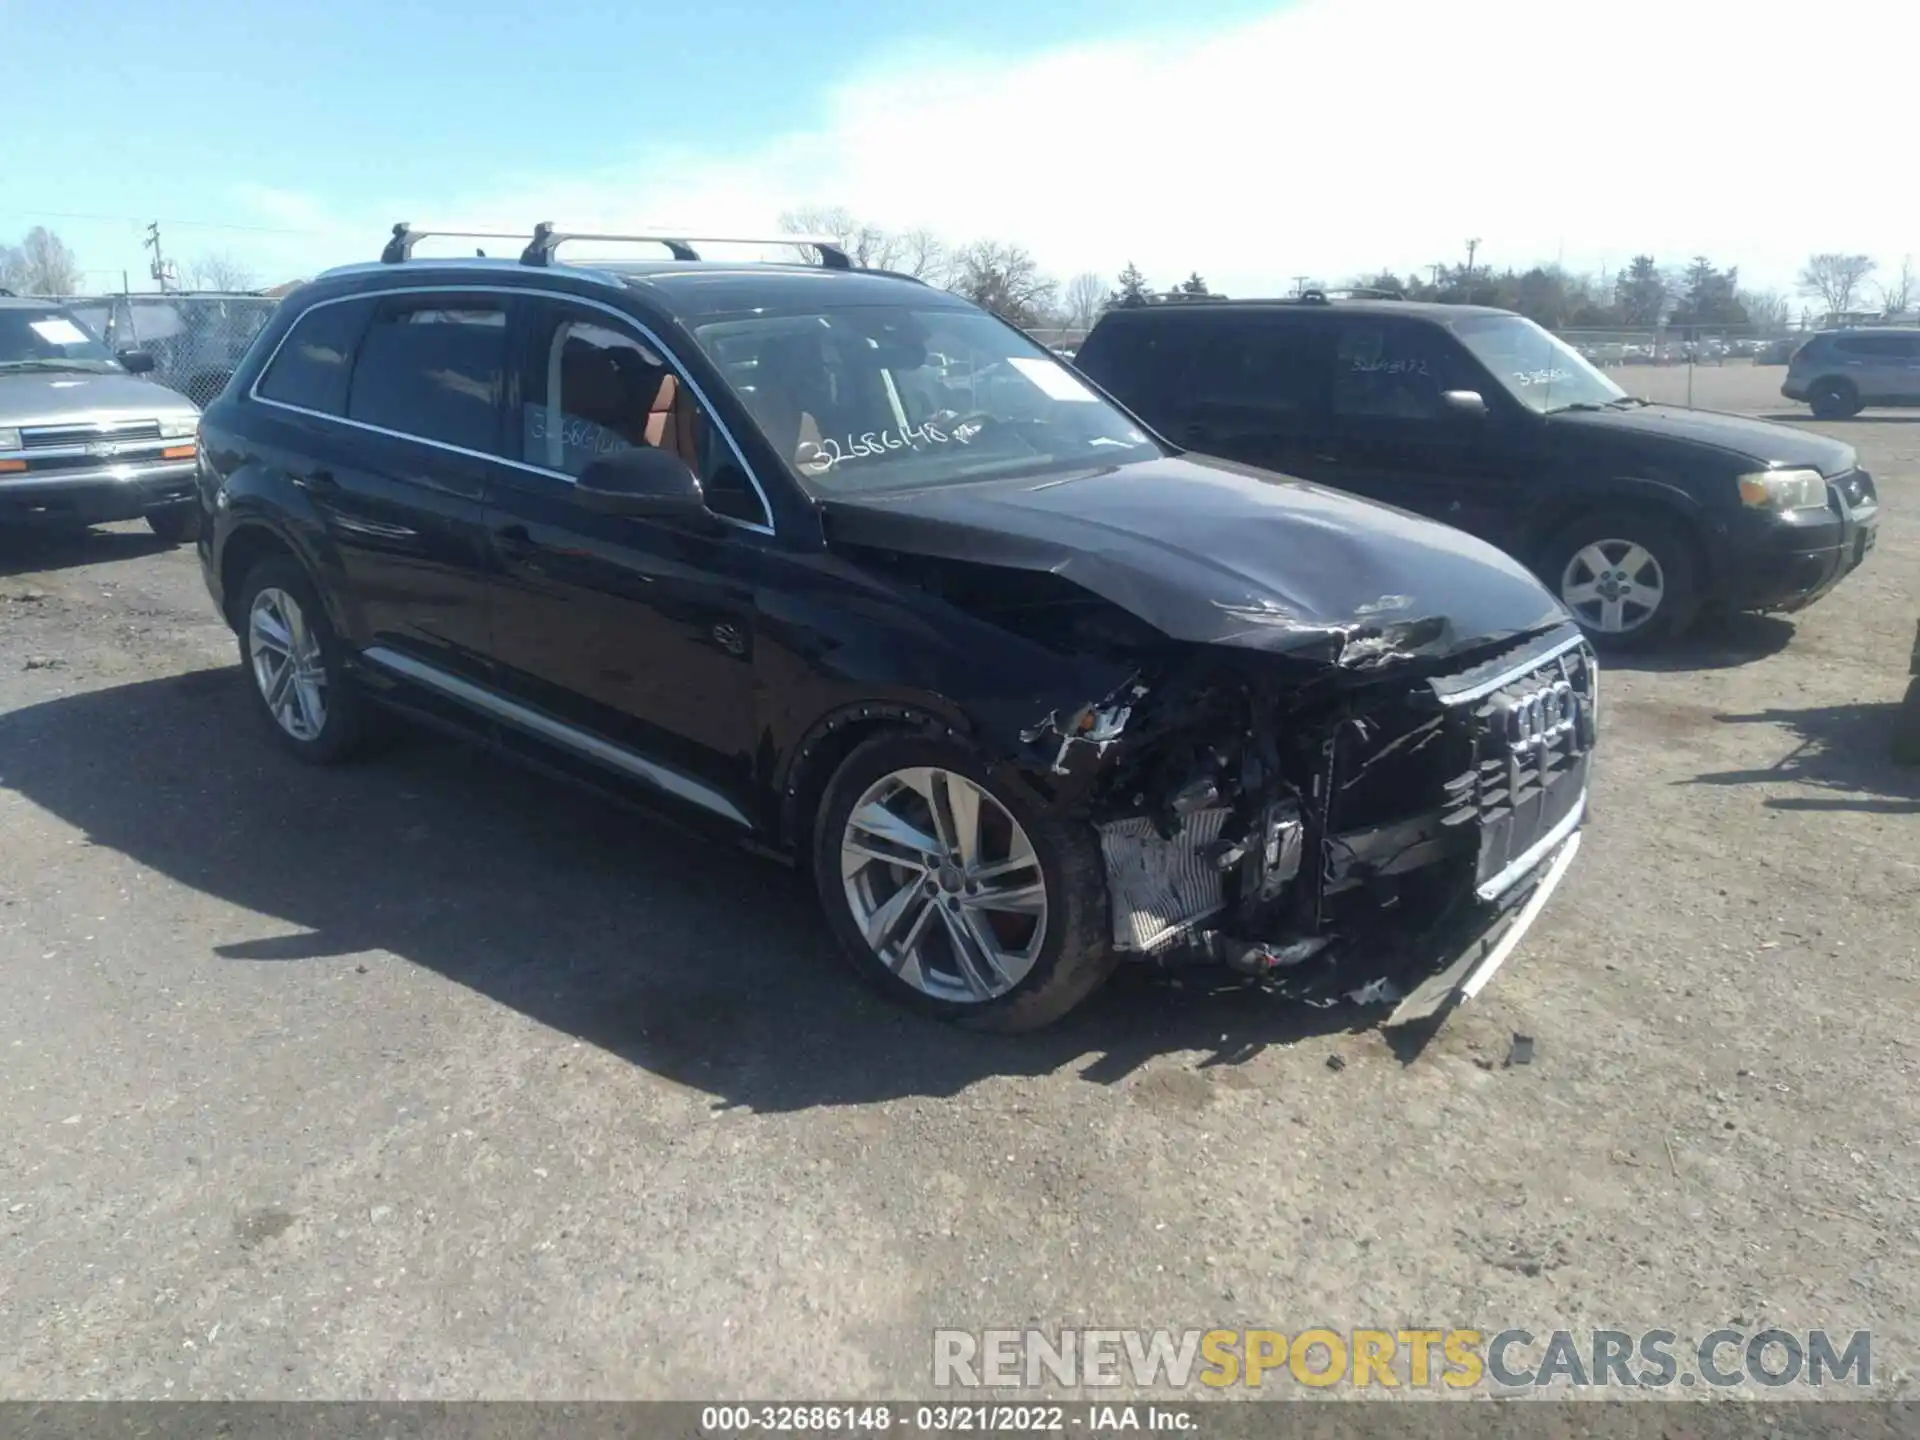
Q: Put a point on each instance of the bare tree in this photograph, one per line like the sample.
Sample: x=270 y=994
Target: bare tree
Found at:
x=1004 y=279
x=1085 y=296
x=1835 y=278
x=41 y=264
x=1897 y=294
x=1767 y=309
x=222 y=270
x=867 y=245
x=924 y=256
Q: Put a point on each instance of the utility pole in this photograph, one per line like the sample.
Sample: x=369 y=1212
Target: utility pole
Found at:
x=159 y=267
x=1472 y=247
x=1300 y=285
x=1434 y=271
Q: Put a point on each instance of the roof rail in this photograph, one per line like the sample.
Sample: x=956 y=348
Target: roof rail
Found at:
x=1318 y=296
x=547 y=238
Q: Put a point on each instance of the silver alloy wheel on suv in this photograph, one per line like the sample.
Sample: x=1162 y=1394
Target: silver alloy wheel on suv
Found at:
x=1614 y=586
x=944 y=885
x=287 y=664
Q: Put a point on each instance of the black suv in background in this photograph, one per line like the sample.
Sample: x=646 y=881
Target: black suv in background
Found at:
x=1636 y=515
x=839 y=565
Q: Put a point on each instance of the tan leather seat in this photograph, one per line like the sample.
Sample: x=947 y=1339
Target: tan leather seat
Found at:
x=663 y=415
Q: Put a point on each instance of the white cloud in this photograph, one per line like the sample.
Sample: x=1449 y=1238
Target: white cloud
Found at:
x=1332 y=138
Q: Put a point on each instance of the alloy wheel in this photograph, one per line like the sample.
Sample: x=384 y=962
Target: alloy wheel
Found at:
x=287 y=664
x=1614 y=586
x=944 y=885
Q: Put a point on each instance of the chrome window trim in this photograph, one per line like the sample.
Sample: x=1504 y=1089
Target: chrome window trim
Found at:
x=501 y=291
x=661 y=777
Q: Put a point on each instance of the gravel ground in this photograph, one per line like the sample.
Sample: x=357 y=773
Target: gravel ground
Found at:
x=420 y=1079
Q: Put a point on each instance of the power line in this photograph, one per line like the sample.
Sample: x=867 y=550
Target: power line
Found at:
x=136 y=220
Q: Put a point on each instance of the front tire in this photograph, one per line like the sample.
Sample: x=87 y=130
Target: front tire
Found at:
x=176 y=524
x=953 y=892
x=1834 y=400
x=296 y=666
x=1629 y=578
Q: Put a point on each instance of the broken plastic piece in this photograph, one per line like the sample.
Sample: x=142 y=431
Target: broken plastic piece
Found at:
x=1251 y=958
x=1377 y=991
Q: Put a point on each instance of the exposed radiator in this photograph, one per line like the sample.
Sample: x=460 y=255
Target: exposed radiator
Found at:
x=1161 y=887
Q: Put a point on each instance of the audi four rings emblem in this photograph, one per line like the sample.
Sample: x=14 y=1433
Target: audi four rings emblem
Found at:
x=1536 y=719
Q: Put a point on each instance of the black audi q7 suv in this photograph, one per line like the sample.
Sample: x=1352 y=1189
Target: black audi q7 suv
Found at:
x=843 y=567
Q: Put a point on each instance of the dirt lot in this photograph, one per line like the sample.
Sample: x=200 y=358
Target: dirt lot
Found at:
x=421 y=1079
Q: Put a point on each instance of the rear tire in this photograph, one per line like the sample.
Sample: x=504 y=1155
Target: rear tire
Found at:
x=1834 y=400
x=961 y=956
x=1630 y=578
x=296 y=667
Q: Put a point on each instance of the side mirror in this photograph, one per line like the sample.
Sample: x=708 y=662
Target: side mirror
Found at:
x=641 y=481
x=135 y=362
x=1464 y=402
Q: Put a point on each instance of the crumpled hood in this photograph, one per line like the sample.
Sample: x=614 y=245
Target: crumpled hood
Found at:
x=69 y=397
x=1212 y=552
x=1761 y=441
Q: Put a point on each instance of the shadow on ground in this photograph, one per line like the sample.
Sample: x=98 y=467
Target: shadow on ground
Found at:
x=1844 y=750
x=27 y=549
x=1717 y=641
x=705 y=965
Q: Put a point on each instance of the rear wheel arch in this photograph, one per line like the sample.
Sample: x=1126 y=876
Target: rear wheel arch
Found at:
x=251 y=543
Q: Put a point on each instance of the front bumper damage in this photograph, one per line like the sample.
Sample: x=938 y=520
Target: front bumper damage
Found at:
x=1382 y=839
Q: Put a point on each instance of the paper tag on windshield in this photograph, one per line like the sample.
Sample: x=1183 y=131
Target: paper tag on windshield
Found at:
x=1058 y=382
x=58 y=331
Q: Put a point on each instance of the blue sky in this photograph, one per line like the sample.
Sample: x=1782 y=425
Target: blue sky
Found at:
x=1250 y=140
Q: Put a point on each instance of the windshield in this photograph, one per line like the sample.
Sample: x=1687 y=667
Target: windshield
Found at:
x=49 y=339
x=1537 y=368
x=886 y=396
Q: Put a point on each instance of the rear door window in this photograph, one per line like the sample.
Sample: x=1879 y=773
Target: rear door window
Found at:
x=1267 y=365
x=311 y=368
x=434 y=369
x=1177 y=369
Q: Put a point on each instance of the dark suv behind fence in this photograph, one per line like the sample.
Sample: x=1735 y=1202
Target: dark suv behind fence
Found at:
x=1636 y=515
x=836 y=564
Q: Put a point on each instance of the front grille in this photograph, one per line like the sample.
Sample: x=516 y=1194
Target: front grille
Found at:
x=1855 y=487
x=48 y=437
x=1532 y=740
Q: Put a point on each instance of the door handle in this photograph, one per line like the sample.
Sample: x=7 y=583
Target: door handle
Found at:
x=320 y=478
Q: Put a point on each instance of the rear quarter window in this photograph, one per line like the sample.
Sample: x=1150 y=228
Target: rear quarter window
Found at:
x=1164 y=368
x=312 y=366
x=433 y=371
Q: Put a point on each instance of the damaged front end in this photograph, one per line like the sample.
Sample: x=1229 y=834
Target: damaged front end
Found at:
x=1381 y=836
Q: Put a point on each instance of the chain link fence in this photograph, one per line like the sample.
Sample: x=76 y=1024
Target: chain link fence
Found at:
x=196 y=339
x=1687 y=345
